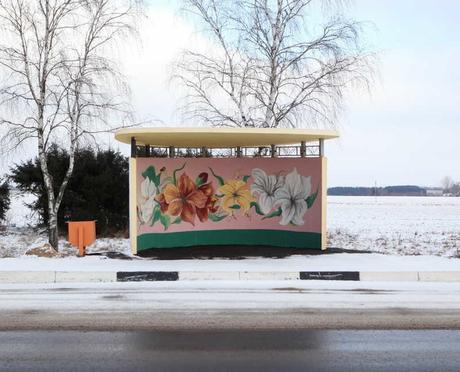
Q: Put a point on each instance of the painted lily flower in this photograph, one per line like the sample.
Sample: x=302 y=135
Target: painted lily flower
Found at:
x=236 y=192
x=291 y=197
x=184 y=199
x=147 y=200
x=210 y=205
x=266 y=186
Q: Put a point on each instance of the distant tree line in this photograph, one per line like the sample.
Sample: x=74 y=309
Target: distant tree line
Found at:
x=98 y=190
x=404 y=190
x=450 y=187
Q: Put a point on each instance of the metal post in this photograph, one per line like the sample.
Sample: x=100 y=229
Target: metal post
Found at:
x=273 y=151
x=203 y=152
x=147 y=151
x=303 y=149
x=171 y=151
x=321 y=147
x=238 y=152
x=133 y=147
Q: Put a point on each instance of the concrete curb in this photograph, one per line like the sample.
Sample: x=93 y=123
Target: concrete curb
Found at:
x=11 y=277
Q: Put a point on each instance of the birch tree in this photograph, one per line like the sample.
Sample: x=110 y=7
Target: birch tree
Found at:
x=58 y=82
x=271 y=63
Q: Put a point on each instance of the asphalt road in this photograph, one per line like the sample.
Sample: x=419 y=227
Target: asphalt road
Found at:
x=231 y=350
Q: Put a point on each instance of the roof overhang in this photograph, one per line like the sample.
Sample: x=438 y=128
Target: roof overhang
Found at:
x=221 y=137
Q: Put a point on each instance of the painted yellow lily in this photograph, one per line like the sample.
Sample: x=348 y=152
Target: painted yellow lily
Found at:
x=235 y=193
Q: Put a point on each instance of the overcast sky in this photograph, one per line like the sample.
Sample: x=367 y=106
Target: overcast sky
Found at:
x=406 y=132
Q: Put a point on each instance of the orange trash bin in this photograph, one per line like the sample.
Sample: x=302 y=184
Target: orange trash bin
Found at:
x=82 y=234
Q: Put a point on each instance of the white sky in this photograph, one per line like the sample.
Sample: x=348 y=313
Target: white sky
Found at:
x=406 y=132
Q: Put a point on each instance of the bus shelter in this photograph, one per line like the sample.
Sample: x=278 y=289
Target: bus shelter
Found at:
x=227 y=186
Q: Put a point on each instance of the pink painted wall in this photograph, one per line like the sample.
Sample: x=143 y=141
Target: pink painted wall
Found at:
x=292 y=176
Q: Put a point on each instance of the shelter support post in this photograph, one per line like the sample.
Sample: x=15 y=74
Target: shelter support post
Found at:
x=133 y=204
x=273 y=151
x=321 y=147
x=303 y=149
x=323 y=203
x=133 y=147
x=239 y=152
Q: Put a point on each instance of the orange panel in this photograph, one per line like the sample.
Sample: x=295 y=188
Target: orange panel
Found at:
x=82 y=234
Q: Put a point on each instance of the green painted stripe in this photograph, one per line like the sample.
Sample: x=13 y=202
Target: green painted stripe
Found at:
x=276 y=238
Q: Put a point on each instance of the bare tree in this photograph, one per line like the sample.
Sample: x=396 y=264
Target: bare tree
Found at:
x=273 y=64
x=59 y=84
x=447 y=183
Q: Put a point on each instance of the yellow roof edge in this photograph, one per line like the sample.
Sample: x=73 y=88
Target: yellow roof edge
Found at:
x=221 y=137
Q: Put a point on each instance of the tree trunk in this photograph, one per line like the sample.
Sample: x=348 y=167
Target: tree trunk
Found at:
x=48 y=180
x=53 y=232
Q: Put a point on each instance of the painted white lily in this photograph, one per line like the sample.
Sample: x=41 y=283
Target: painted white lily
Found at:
x=266 y=186
x=291 y=197
x=147 y=200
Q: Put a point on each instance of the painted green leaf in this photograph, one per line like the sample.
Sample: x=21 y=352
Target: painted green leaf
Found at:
x=177 y=170
x=156 y=215
x=257 y=208
x=177 y=221
x=165 y=221
x=201 y=179
x=217 y=217
x=151 y=174
x=276 y=213
x=311 y=199
x=235 y=206
x=245 y=178
x=219 y=179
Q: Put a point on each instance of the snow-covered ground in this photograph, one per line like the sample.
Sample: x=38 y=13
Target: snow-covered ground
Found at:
x=209 y=296
x=395 y=225
x=388 y=225
x=20 y=233
x=328 y=262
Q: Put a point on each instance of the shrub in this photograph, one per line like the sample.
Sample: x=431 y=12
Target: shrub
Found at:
x=98 y=189
x=4 y=199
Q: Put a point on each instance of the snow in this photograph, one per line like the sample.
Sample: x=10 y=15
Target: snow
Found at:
x=19 y=215
x=238 y=285
x=21 y=233
x=395 y=225
x=208 y=296
x=333 y=262
x=410 y=226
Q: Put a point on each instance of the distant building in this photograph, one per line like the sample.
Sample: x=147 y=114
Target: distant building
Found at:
x=434 y=191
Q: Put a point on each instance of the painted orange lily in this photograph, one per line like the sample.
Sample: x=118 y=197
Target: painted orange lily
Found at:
x=203 y=213
x=183 y=200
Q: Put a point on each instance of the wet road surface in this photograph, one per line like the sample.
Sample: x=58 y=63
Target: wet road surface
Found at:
x=231 y=350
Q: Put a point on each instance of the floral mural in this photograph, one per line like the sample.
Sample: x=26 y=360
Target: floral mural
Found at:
x=175 y=196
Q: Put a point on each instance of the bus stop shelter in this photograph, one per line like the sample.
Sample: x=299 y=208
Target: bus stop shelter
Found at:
x=227 y=186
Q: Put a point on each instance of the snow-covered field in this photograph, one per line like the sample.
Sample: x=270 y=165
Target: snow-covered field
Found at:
x=389 y=225
x=395 y=225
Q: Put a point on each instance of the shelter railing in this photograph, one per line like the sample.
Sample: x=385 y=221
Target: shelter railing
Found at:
x=229 y=152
